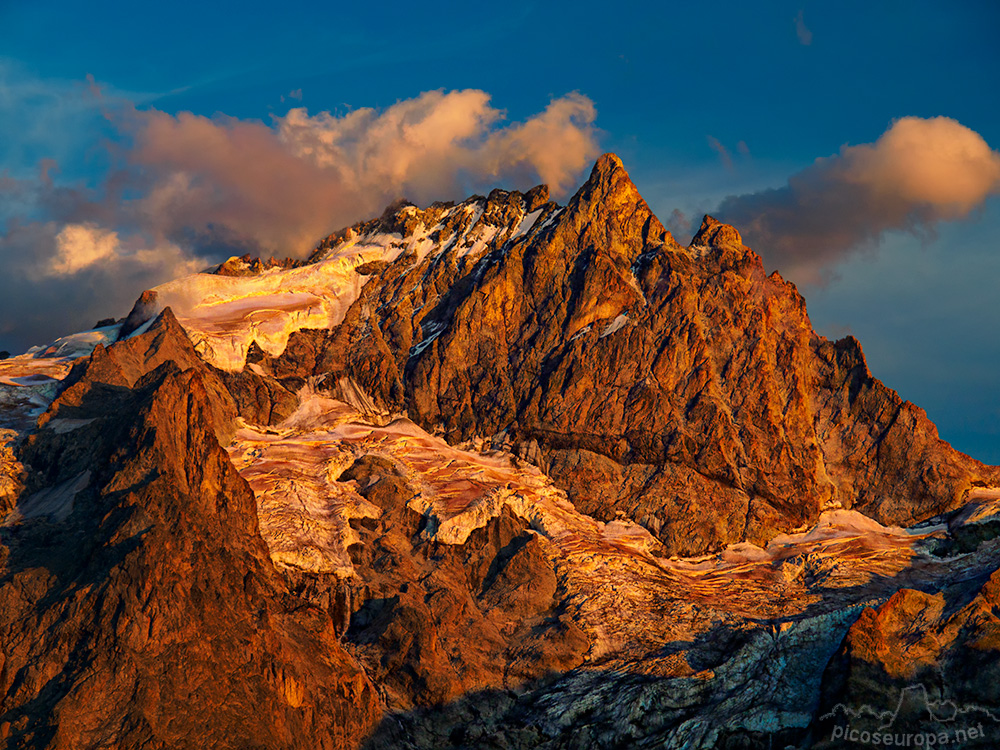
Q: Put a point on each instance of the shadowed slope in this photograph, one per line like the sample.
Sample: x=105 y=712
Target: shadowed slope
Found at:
x=148 y=613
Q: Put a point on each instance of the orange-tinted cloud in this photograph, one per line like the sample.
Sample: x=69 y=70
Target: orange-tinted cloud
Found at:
x=280 y=189
x=183 y=191
x=212 y=182
x=557 y=145
x=918 y=173
x=724 y=156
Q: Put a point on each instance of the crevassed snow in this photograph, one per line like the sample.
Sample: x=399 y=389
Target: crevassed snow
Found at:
x=833 y=530
x=837 y=524
x=615 y=581
x=460 y=490
x=223 y=315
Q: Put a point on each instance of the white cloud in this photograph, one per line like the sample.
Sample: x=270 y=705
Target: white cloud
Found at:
x=79 y=246
x=802 y=31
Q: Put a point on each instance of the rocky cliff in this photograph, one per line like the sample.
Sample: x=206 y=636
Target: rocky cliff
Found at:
x=143 y=607
x=140 y=608
x=682 y=387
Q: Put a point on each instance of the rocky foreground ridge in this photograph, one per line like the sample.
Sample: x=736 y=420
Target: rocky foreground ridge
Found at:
x=496 y=474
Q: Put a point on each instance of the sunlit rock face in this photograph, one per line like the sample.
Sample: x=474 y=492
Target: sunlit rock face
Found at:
x=246 y=303
x=681 y=387
x=494 y=474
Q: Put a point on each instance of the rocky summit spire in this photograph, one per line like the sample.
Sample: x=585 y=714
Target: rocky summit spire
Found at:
x=713 y=233
x=609 y=172
x=611 y=204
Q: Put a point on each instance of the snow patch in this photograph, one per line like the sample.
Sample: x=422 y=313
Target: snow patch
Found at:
x=224 y=315
x=527 y=223
x=838 y=524
x=615 y=325
x=550 y=219
x=143 y=328
x=832 y=532
x=29 y=381
x=474 y=242
x=76 y=344
x=424 y=344
x=983 y=507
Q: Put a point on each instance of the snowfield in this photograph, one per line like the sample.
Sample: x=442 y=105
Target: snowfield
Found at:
x=630 y=598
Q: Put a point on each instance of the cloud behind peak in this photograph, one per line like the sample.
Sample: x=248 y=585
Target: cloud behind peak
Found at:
x=918 y=173
x=181 y=190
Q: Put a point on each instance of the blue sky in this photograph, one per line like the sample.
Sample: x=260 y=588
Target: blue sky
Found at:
x=701 y=103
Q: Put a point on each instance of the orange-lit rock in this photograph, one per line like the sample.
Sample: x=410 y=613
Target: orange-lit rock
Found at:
x=541 y=477
x=682 y=387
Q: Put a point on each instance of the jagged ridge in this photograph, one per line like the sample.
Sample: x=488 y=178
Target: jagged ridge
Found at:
x=683 y=387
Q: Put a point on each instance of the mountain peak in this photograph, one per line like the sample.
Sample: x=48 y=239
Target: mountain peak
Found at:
x=433 y=463
x=608 y=162
x=609 y=175
x=713 y=233
x=610 y=204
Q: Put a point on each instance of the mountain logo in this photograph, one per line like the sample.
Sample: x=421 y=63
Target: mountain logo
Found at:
x=916 y=720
